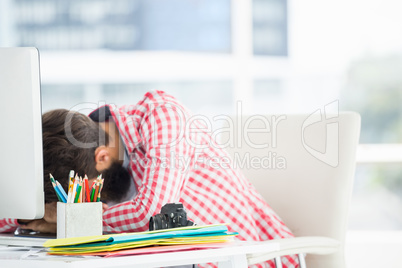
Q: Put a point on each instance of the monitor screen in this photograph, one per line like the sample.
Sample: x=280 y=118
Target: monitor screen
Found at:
x=21 y=160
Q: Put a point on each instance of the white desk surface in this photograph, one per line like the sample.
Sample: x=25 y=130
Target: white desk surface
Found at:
x=232 y=255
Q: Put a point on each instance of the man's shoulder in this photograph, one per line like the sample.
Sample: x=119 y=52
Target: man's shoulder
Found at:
x=160 y=100
x=159 y=97
x=152 y=103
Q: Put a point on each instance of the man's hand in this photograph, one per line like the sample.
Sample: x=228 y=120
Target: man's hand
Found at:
x=40 y=226
x=46 y=225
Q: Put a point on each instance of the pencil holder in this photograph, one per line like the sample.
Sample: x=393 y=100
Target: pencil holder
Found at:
x=79 y=219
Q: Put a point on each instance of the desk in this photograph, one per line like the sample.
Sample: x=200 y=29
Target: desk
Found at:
x=233 y=255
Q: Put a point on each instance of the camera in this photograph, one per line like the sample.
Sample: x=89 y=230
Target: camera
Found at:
x=172 y=215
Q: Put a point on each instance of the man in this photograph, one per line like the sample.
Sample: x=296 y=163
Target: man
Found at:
x=150 y=154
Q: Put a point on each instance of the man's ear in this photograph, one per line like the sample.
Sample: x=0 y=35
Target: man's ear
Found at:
x=102 y=158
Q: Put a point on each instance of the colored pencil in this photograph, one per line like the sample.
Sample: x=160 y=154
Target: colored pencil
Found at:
x=100 y=189
x=96 y=192
x=92 y=191
x=75 y=186
x=87 y=199
x=55 y=188
x=83 y=194
x=80 y=193
x=77 y=196
x=70 y=186
x=61 y=190
x=70 y=191
x=82 y=190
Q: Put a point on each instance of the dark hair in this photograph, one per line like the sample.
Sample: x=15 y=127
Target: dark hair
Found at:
x=69 y=143
x=116 y=184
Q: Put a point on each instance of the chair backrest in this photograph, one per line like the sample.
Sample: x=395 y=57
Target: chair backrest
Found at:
x=305 y=172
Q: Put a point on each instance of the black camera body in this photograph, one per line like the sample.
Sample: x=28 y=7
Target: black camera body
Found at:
x=172 y=215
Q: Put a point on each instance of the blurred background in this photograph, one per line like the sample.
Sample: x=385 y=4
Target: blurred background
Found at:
x=276 y=56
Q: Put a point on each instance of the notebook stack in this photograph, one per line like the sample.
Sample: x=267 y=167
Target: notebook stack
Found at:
x=184 y=238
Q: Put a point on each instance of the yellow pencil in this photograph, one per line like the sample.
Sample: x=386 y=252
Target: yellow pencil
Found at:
x=100 y=189
x=75 y=186
x=70 y=186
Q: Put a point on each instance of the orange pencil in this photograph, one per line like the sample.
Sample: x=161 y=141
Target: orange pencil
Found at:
x=92 y=190
x=96 y=192
x=75 y=186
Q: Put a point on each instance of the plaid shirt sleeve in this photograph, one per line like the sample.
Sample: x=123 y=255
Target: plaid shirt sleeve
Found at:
x=8 y=225
x=162 y=138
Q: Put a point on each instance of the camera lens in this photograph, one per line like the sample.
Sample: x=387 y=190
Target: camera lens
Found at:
x=158 y=222
x=155 y=223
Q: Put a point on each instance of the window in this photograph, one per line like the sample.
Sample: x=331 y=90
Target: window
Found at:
x=193 y=25
x=273 y=55
x=270 y=27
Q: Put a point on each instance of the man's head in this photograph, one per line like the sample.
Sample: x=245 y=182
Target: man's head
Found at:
x=109 y=160
x=69 y=143
x=72 y=141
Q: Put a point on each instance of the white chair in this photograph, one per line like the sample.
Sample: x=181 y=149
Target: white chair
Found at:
x=307 y=178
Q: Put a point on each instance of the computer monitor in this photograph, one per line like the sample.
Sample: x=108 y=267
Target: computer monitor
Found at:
x=21 y=157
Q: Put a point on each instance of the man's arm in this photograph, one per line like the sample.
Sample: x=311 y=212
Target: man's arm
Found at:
x=41 y=226
x=8 y=225
x=166 y=151
x=47 y=224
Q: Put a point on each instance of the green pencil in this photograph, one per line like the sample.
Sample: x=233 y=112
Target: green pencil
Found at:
x=77 y=195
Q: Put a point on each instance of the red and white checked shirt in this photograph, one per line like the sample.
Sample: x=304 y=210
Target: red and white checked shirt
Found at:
x=173 y=159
